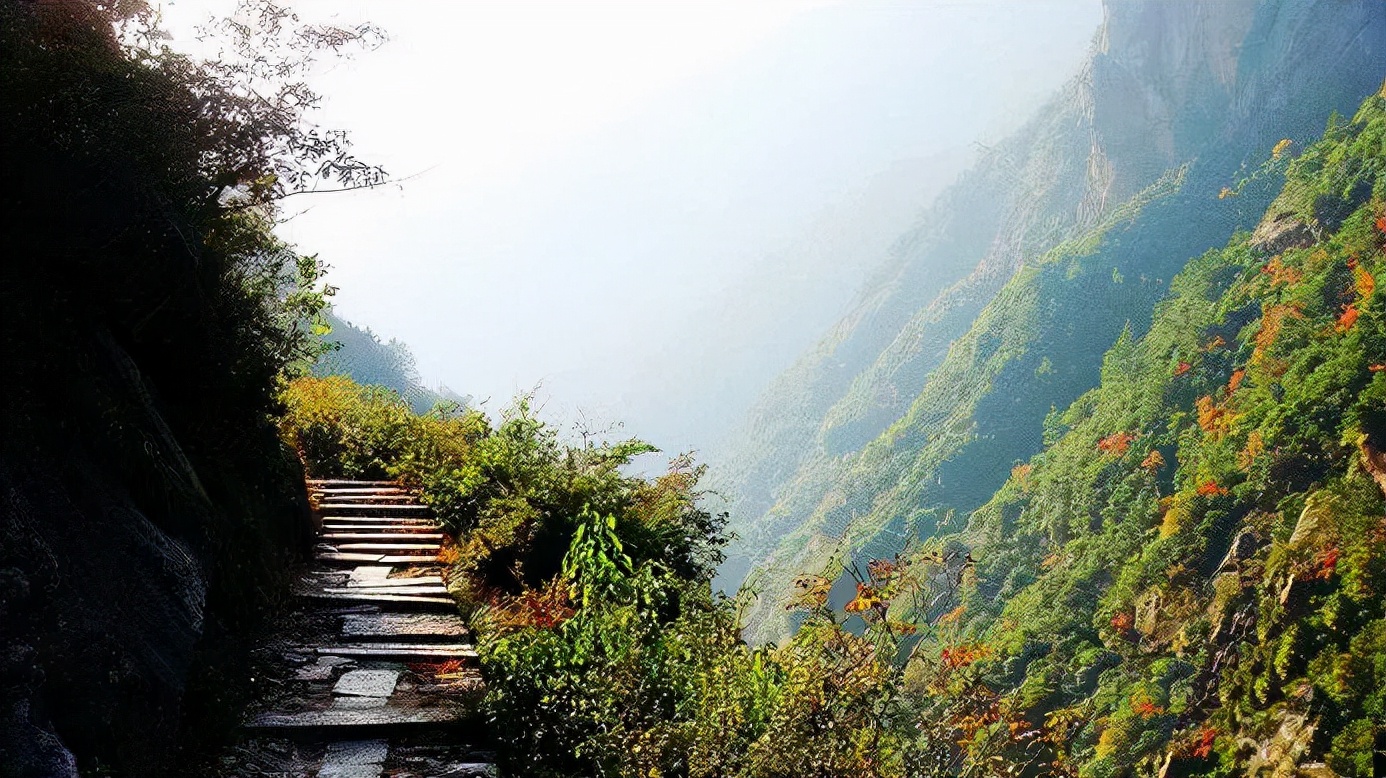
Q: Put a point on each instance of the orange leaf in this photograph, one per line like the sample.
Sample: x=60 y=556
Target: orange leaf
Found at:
x=1211 y=489
x=1183 y=368
x=1117 y=443
x=1235 y=381
x=1154 y=460
x=1349 y=318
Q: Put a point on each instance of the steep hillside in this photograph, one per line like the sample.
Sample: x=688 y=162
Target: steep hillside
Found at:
x=1119 y=188
x=1191 y=573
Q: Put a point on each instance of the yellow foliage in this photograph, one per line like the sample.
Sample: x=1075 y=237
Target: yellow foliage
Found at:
x=1021 y=475
x=1255 y=446
x=1273 y=319
x=1364 y=281
x=1178 y=514
x=1109 y=741
x=1280 y=148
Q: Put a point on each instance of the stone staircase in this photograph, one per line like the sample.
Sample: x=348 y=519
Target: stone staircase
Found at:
x=372 y=674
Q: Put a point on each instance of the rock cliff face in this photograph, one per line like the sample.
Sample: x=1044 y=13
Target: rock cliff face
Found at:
x=148 y=511
x=141 y=533
x=1176 y=101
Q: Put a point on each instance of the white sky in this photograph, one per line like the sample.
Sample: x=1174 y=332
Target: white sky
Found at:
x=583 y=184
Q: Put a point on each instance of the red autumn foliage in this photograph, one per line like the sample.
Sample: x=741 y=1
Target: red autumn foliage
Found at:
x=1117 y=443
x=1183 y=368
x=1211 y=489
x=1145 y=709
x=1123 y=622
x=1203 y=747
x=1327 y=562
x=1153 y=461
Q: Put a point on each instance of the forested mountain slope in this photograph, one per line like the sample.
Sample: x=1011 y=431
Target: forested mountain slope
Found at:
x=359 y=353
x=998 y=306
x=1192 y=571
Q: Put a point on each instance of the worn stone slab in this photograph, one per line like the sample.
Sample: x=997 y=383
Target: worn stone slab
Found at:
x=350 y=771
x=369 y=575
x=385 y=525
x=437 y=602
x=347 y=721
x=409 y=520
x=372 y=581
x=356 y=752
x=384 y=509
x=403 y=650
x=422 y=588
x=359 y=703
x=365 y=537
x=385 y=625
x=348 y=482
x=367 y=683
x=341 y=556
x=313 y=673
x=384 y=547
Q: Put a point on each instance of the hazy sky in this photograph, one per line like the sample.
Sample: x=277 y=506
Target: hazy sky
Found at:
x=583 y=183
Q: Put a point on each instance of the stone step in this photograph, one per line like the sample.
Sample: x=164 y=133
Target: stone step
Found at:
x=354 y=536
x=358 y=581
x=348 y=482
x=385 y=510
x=402 y=521
x=424 y=588
x=352 y=559
x=384 y=548
x=418 y=627
x=401 y=651
x=354 y=759
x=339 y=526
x=343 y=723
x=434 y=602
x=337 y=557
x=369 y=498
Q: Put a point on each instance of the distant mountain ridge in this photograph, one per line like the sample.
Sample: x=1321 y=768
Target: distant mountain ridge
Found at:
x=998 y=305
x=360 y=354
